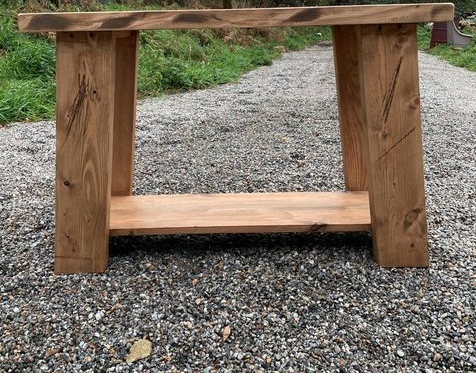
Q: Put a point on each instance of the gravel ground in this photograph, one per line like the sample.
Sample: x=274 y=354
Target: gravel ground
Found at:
x=293 y=303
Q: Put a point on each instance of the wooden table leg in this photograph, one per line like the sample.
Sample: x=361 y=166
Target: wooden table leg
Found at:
x=85 y=109
x=124 y=112
x=352 y=130
x=388 y=65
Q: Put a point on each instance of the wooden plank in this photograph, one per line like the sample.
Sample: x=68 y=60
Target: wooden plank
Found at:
x=391 y=106
x=350 y=109
x=85 y=94
x=125 y=97
x=234 y=18
x=240 y=213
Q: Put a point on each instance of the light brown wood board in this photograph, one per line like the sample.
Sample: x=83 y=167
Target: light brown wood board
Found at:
x=236 y=18
x=240 y=213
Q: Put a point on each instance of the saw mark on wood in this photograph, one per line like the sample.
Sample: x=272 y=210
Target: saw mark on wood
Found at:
x=193 y=18
x=388 y=98
x=122 y=22
x=306 y=15
x=77 y=105
x=317 y=227
x=396 y=144
x=47 y=20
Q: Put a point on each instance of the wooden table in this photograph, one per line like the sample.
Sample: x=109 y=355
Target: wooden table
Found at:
x=375 y=52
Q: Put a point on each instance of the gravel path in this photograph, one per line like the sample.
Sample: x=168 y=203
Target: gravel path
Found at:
x=294 y=303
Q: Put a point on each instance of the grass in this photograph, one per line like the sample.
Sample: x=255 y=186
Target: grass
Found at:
x=27 y=71
x=169 y=61
x=461 y=57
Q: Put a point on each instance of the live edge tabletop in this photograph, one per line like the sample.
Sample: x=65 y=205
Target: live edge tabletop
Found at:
x=376 y=66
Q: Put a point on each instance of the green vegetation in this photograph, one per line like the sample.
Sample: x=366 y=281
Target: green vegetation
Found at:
x=183 y=60
x=26 y=74
x=462 y=57
x=169 y=61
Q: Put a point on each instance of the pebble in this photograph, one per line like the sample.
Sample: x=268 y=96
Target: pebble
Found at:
x=294 y=302
x=99 y=315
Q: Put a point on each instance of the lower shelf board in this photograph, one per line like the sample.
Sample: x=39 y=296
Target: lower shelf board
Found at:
x=240 y=213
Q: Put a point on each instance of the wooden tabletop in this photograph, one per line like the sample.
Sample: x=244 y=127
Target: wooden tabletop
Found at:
x=236 y=18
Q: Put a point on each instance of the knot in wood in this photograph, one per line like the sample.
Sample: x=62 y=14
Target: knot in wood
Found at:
x=411 y=217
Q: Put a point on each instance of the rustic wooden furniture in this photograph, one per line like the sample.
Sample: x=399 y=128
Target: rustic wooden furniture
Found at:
x=375 y=52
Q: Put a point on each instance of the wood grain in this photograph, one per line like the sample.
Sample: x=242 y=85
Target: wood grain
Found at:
x=391 y=106
x=240 y=213
x=84 y=120
x=125 y=98
x=352 y=130
x=235 y=18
